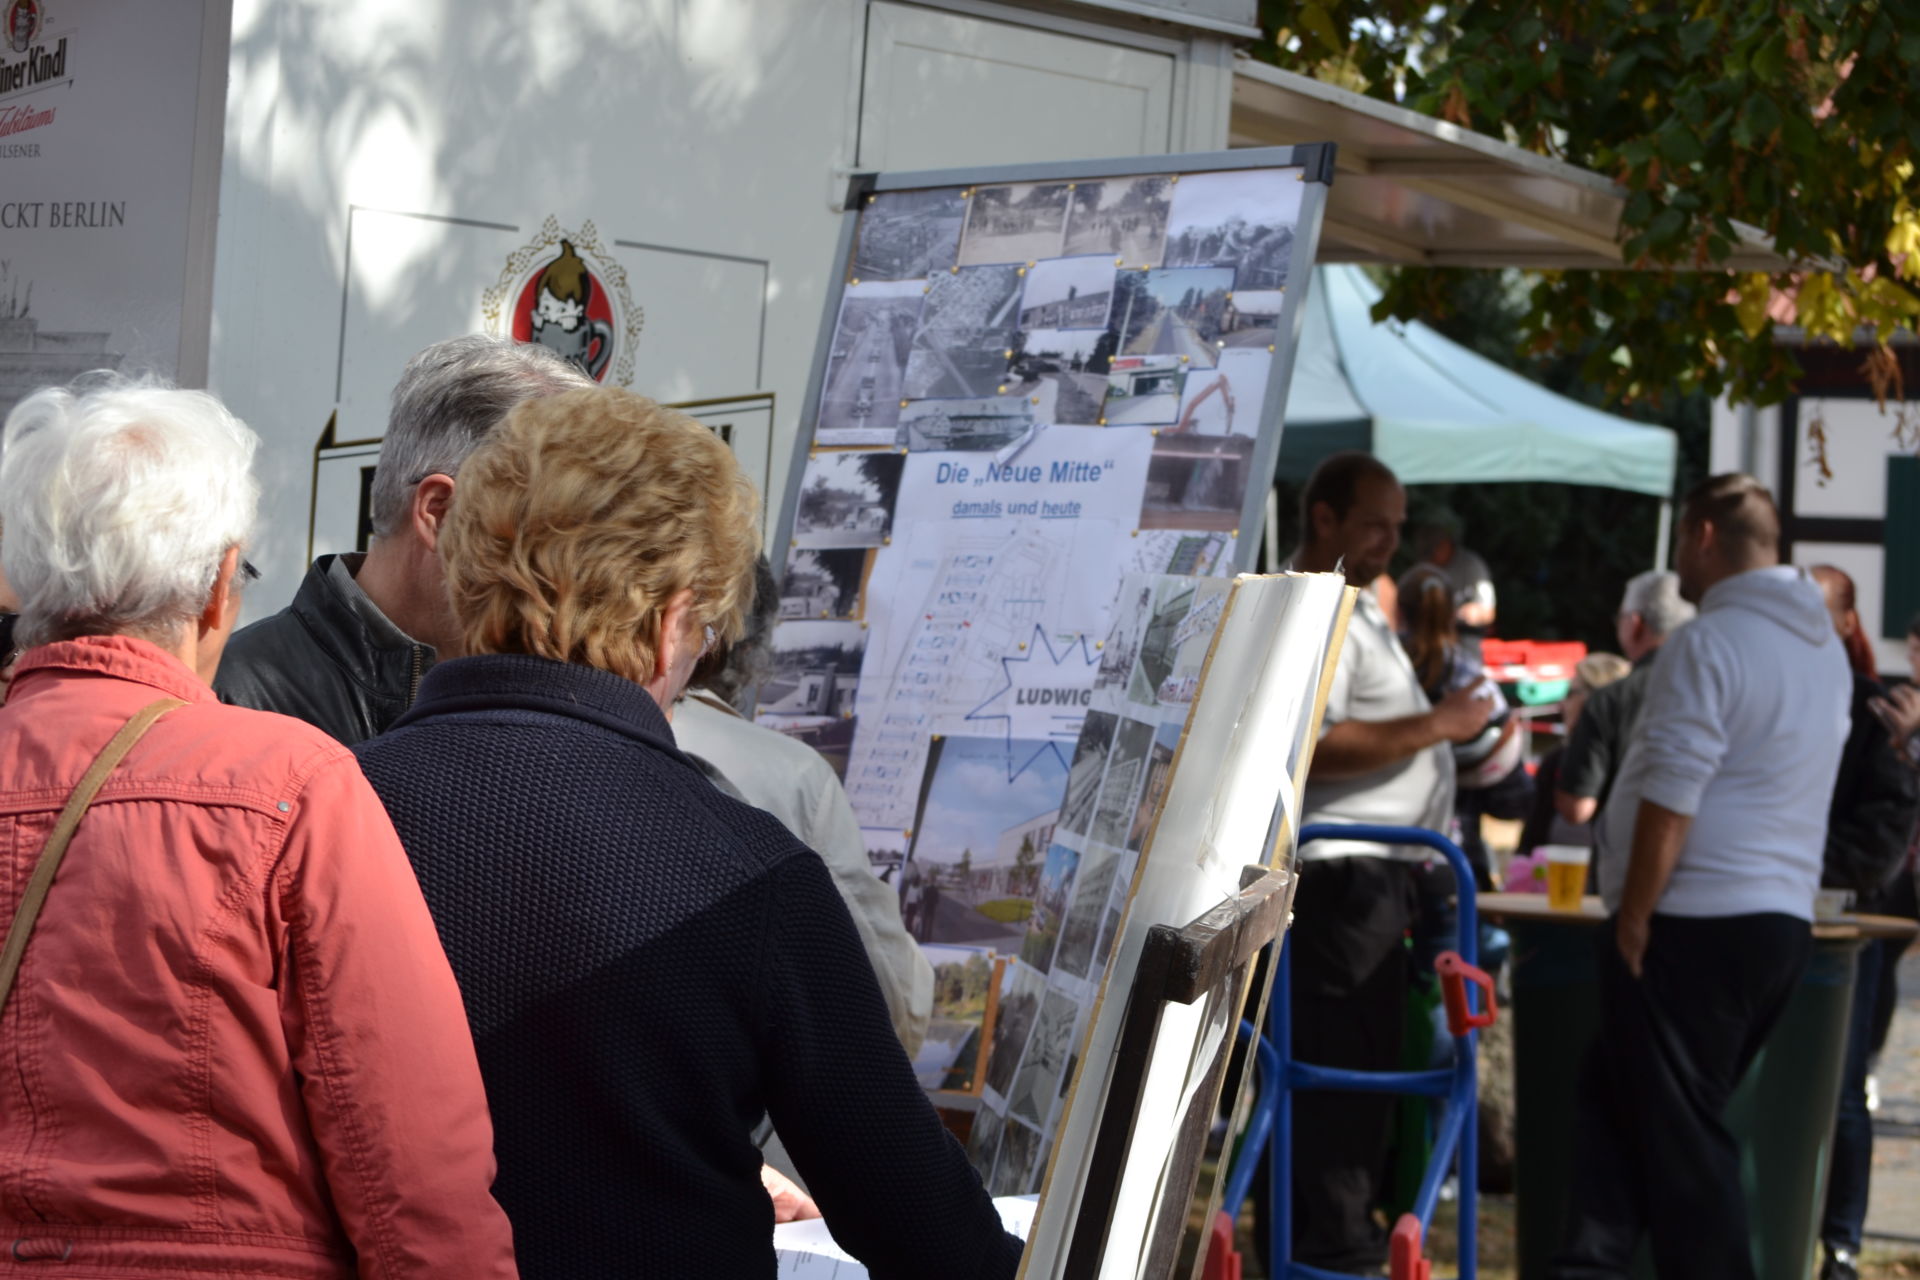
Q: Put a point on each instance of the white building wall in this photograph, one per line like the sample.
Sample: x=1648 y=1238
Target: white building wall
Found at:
x=382 y=161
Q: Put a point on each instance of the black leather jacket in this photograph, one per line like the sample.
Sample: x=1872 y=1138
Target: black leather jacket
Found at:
x=318 y=660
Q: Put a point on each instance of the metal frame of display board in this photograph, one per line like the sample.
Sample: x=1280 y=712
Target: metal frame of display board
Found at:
x=1314 y=160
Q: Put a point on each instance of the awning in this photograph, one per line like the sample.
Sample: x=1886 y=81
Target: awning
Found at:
x=1414 y=190
x=1438 y=413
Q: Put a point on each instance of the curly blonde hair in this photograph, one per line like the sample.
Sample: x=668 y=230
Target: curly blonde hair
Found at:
x=582 y=515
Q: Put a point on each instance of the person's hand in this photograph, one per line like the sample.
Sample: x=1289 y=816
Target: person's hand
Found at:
x=790 y=1203
x=1900 y=712
x=1630 y=936
x=1462 y=714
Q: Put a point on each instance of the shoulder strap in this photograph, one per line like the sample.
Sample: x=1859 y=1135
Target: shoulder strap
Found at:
x=35 y=895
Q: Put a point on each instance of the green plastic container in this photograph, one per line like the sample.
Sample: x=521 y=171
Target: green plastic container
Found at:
x=1782 y=1113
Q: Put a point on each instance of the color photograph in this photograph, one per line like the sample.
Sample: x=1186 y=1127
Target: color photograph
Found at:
x=986 y=819
x=1226 y=400
x=962 y=977
x=1021 y=223
x=1123 y=218
x=966 y=333
x=1243 y=219
x=860 y=400
x=846 y=499
x=1172 y=312
x=1197 y=482
x=1144 y=391
x=909 y=235
x=1050 y=907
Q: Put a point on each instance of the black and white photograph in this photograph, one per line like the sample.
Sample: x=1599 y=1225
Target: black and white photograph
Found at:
x=1021 y=223
x=1019 y=1148
x=1122 y=644
x=978 y=425
x=1098 y=866
x=966 y=334
x=1066 y=369
x=831 y=736
x=1196 y=482
x=1243 y=219
x=983 y=1142
x=1050 y=904
x=1172 y=312
x=1192 y=642
x=1067 y=293
x=886 y=851
x=1227 y=399
x=909 y=235
x=816 y=669
x=1123 y=218
x=860 y=399
x=1083 y=775
x=1037 y=1083
x=1161 y=641
x=846 y=499
x=1145 y=391
x=825 y=584
x=1020 y=991
x=1113 y=813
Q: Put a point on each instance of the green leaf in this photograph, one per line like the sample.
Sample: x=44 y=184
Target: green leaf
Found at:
x=1697 y=37
x=1678 y=143
x=1314 y=19
x=1758 y=119
x=1770 y=59
x=1798 y=133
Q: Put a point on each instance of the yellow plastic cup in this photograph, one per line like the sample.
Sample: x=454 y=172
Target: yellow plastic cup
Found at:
x=1566 y=875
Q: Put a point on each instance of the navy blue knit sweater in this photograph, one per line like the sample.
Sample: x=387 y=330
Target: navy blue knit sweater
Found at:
x=649 y=965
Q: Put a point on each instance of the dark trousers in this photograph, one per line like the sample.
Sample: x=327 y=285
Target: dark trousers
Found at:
x=1850 y=1172
x=1349 y=990
x=1651 y=1155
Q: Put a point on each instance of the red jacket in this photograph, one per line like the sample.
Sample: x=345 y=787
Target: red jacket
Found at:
x=234 y=1045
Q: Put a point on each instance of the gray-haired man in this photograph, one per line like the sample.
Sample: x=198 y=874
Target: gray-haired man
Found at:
x=347 y=655
x=1650 y=610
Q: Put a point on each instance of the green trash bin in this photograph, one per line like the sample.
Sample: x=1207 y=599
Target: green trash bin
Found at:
x=1782 y=1114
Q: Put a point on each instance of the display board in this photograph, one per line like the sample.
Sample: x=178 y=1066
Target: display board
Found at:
x=1031 y=384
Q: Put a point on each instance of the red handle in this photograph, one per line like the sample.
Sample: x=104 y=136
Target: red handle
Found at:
x=1404 y=1251
x=1455 y=974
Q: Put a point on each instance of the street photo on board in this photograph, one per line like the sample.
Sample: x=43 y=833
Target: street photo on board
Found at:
x=846 y=499
x=1145 y=391
x=948 y=1056
x=860 y=400
x=1038 y=1081
x=1050 y=906
x=987 y=814
x=1123 y=218
x=1021 y=223
x=1243 y=219
x=909 y=235
x=1172 y=312
x=1226 y=400
x=966 y=334
x=1067 y=366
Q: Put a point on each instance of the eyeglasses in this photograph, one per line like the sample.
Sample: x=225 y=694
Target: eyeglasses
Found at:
x=248 y=572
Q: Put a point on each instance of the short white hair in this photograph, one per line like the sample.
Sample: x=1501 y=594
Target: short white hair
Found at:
x=1655 y=596
x=118 y=501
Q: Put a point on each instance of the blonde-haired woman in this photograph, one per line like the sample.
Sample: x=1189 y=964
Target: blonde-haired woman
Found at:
x=649 y=966
x=232 y=1044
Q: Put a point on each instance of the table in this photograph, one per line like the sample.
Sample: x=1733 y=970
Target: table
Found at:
x=1782 y=1113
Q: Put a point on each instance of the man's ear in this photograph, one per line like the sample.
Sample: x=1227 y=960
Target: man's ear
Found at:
x=1323 y=520
x=428 y=511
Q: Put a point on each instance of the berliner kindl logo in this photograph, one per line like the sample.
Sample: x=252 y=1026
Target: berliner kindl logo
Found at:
x=23 y=24
x=566 y=293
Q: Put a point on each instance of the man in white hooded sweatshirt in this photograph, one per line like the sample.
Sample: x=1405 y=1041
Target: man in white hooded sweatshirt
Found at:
x=1711 y=845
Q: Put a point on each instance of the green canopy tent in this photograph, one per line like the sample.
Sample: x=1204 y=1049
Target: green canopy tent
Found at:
x=1438 y=413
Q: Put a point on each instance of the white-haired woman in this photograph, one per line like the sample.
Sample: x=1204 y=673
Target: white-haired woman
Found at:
x=232 y=1041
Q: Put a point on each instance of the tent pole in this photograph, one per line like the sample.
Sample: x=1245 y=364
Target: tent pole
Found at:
x=1664 y=543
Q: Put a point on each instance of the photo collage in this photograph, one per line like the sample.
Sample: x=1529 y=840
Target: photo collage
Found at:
x=1115 y=779
x=1057 y=326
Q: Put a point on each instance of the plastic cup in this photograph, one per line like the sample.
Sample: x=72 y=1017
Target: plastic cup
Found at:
x=1566 y=875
